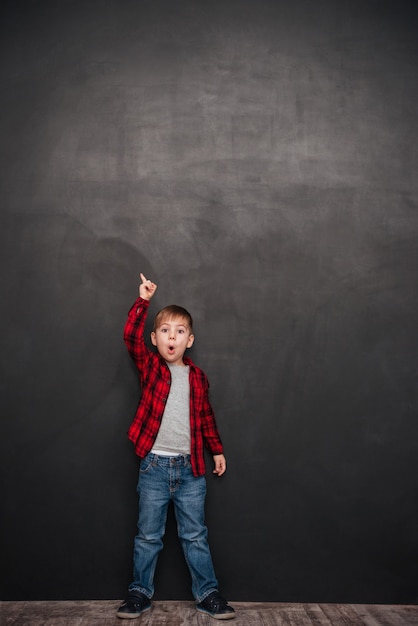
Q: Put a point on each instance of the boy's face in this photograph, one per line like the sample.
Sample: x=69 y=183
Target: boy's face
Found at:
x=172 y=338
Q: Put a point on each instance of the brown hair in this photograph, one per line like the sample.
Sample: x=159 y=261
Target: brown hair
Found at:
x=173 y=311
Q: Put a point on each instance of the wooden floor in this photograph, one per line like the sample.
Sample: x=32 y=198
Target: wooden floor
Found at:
x=102 y=613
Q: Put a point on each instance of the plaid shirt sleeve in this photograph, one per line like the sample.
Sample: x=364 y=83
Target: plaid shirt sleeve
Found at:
x=204 y=430
x=154 y=378
x=133 y=336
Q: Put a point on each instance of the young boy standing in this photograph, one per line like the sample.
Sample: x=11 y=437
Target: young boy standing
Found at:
x=173 y=423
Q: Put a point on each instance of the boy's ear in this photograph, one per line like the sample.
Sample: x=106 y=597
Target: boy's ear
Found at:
x=190 y=342
x=153 y=339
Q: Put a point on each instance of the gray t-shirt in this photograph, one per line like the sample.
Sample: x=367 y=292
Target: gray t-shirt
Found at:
x=174 y=433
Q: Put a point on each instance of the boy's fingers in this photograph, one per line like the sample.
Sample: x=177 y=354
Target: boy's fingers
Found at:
x=220 y=468
x=144 y=280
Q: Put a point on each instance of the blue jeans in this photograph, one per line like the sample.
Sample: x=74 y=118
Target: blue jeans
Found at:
x=161 y=480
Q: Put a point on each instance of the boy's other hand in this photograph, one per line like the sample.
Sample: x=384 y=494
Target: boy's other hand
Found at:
x=146 y=288
x=220 y=464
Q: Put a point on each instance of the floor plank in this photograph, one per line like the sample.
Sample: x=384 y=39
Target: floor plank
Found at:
x=103 y=613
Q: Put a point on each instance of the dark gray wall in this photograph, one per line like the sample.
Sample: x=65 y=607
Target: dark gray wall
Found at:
x=258 y=161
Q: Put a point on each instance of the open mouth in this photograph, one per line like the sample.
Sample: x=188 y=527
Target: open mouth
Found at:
x=171 y=349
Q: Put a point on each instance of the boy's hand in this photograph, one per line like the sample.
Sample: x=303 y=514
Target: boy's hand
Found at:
x=146 y=288
x=220 y=464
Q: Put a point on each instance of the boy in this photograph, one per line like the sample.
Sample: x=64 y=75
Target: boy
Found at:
x=173 y=422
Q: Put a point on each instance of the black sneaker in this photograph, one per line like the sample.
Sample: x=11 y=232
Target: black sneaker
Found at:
x=135 y=604
x=216 y=606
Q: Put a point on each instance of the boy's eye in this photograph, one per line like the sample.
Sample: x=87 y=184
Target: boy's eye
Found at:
x=181 y=330
x=164 y=330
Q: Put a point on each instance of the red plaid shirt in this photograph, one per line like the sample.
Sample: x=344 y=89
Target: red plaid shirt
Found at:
x=155 y=379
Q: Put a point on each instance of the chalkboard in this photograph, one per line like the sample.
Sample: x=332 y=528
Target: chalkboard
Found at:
x=257 y=161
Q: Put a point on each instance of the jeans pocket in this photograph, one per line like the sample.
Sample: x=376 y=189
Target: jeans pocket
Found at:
x=145 y=465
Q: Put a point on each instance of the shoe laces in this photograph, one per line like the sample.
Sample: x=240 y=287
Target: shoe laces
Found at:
x=216 y=600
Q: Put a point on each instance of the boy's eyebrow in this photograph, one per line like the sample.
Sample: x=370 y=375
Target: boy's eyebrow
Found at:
x=177 y=324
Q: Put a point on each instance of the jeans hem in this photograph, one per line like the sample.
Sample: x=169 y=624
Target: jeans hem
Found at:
x=205 y=595
x=140 y=590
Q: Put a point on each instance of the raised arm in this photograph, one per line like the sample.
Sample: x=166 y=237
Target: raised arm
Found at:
x=134 y=328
